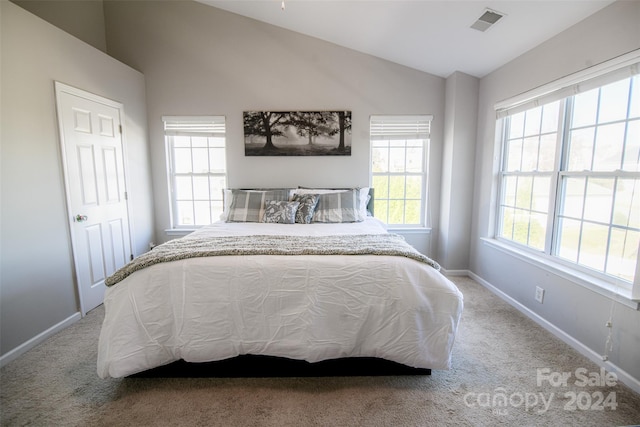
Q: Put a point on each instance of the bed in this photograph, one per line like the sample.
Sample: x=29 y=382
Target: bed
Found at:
x=311 y=288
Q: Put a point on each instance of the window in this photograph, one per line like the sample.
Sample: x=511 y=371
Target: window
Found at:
x=399 y=159
x=197 y=170
x=570 y=176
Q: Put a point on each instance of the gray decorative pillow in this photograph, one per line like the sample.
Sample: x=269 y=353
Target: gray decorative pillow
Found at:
x=280 y=211
x=343 y=206
x=308 y=203
x=248 y=205
x=365 y=195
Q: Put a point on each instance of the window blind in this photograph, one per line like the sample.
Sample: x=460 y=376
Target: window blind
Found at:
x=602 y=74
x=194 y=126
x=400 y=127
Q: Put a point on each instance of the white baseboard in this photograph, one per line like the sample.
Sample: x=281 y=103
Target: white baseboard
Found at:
x=596 y=358
x=23 y=348
x=455 y=272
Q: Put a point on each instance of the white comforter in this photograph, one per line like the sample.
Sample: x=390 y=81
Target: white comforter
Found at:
x=310 y=307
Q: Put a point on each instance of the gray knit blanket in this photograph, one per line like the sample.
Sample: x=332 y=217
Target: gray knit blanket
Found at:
x=363 y=244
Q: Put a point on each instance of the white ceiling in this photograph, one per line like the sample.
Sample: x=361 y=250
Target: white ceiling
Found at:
x=429 y=35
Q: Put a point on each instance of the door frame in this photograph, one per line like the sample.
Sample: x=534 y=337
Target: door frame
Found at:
x=60 y=88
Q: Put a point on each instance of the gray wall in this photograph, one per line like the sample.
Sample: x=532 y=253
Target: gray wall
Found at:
x=575 y=310
x=37 y=284
x=82 y=19
x=209 y=61
x=458 y=158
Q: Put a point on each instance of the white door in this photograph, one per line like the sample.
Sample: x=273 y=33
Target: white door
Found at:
x=91 y=138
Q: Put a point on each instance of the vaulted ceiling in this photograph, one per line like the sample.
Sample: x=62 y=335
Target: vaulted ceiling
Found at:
x=434 y=36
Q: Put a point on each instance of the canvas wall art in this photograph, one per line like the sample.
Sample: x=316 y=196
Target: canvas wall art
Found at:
x=297 y=133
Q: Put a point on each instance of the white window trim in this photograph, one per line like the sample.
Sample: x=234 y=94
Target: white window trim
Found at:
x=179 y=232
x=617 y=68
x=568 y=85
x=422 y=131
x=410 y=230
x=211 y=126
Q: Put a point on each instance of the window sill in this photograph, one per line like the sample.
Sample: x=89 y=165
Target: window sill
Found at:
x=602 y=287
x=413 y=230
x=179 y=231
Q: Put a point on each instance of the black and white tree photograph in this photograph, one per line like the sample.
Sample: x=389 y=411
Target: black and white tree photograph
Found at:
x=297 y=133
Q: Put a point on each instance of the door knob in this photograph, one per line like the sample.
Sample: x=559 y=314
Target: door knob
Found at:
x=80 y=218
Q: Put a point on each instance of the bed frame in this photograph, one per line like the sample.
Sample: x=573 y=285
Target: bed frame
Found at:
x=252 y=366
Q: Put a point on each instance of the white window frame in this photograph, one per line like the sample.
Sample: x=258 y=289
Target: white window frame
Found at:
x=192 y=126
x=617 y=69
x=402 y=128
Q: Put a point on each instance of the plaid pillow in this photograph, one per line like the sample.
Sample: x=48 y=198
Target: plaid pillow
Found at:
x=248 y=205
x=365 y=195
x=343 y=206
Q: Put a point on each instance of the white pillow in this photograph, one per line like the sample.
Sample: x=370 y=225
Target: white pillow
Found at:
x=227 y=197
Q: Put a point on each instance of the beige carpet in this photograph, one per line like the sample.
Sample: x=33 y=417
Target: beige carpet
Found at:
x=497 y=354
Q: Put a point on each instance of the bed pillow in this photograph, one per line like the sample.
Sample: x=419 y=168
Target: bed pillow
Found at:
x=280 y=212
x=227 y=198
x=342 y=206
x=308 y=203
x=364 y=201
x=248 y=205
x=362 y=195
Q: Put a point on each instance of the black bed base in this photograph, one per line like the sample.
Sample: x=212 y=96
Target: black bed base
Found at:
x=249 y=366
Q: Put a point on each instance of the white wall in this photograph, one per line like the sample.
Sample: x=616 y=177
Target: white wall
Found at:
x=37 y=284
x=198 y=60
x=573 y=309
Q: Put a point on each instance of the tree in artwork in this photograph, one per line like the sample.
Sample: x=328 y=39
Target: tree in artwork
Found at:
x=298 y=133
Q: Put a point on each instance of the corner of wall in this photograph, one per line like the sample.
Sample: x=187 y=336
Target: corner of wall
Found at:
x=458 y=164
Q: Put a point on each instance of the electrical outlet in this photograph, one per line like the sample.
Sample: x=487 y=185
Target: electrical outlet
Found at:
x=539 y=294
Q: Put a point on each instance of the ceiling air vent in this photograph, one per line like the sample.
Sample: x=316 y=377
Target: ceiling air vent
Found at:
x=488 y=18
